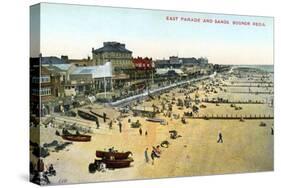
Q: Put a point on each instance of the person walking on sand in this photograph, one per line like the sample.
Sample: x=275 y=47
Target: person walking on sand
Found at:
x=152 y=155
x=220 y=140
x=104 y=117
x=98 y=124
x=146 y=133
x=146 y=155
x=120 y=126
x=140 y=131
x=110 y=124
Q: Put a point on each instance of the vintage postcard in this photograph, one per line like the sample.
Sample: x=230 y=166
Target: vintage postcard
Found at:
x=128 y=94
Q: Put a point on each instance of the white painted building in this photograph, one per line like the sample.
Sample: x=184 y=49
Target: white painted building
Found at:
x=96 y=78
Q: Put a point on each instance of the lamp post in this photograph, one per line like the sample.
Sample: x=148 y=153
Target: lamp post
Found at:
x=104 y=84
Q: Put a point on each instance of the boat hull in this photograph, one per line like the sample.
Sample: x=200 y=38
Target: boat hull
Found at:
x=115 y=155
x=87 y=115
x=117 y=163
x=77 y=138
x=156 y=120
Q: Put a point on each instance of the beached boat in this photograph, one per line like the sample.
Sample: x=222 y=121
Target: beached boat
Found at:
x=117 y=163
x=77 y=138
x=156 y=120
x=113 y=155
x=98 y=115
x=87 y=115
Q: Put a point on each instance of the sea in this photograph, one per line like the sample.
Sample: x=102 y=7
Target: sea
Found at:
x=266 y=68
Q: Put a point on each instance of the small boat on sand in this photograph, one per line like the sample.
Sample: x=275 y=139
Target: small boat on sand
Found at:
x=98 y=115
x=156 y=120
x=117 y=163
x=87 y=115
x=113 y=155
x=77 y=138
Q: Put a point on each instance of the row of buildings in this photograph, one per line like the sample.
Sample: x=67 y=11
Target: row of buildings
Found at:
x=121 y=58
x=111 y=70
x=178 y=62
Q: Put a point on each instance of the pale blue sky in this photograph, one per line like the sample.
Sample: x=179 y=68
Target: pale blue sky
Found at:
x=73 y=30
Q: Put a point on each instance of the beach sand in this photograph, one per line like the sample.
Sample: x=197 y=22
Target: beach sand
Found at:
x=247 y=146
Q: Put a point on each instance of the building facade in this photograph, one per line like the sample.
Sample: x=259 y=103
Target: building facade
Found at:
x=178 y=62
x=172 y=62
x=143 y=63
x=49 y=85
x=114 y=52
x=45 y=88
x=64 y=70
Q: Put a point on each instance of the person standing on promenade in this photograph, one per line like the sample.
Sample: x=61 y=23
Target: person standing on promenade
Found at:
x=220 y=140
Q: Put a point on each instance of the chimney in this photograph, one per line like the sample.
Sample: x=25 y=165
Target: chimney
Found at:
x=64 y=58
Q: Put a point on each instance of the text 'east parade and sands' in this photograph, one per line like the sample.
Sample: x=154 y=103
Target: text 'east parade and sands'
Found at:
x=214 y=21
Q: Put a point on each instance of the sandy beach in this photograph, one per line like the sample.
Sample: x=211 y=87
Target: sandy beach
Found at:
x=246 y=147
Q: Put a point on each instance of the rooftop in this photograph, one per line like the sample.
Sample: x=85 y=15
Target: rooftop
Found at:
x=58 y=67
x=99 y=71
x=112 y=47
x=52 y=60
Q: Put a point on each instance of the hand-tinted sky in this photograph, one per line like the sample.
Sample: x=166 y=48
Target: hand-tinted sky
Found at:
x=73 y=30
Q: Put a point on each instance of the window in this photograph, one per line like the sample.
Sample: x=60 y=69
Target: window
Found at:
x=45 y=79
x=45 y=91
x=35 y=79
x=35 y=92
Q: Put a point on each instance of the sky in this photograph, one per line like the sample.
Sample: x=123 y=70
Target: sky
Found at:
x=74 y=30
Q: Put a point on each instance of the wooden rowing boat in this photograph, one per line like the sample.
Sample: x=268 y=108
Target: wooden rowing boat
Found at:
x=113 y=155
x=156 y=120
x=98 y=115
x=87 y=115
x=77 y=138
x=117 y=163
